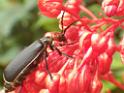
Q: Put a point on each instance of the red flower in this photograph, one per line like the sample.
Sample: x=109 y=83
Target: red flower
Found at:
x=50 y=8
x=87 y=52
x=113 y=7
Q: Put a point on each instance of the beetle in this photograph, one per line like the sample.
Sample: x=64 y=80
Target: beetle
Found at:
x=24 y=62
x=27 y=60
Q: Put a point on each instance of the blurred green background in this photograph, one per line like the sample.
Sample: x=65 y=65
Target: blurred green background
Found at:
x=21 y=24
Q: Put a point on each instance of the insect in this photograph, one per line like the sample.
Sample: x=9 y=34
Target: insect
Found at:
x=15 y=72
x=27 y=60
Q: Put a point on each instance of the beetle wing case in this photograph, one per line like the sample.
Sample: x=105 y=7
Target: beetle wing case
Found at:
x=22 y=60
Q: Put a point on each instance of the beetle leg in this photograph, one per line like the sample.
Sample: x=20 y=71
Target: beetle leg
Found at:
x=47 y=67
x=60 y=53
x=55 y=48
x=51 y=47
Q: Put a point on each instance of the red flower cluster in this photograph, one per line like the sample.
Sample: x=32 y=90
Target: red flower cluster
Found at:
x=87 y=52
x=113 y=7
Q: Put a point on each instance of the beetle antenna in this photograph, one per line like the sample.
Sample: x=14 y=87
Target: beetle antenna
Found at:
x=68 y=27
x=64 y=30
x=62 y=21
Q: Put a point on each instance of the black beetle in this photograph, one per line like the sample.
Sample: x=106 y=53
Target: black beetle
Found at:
x=25 y=61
